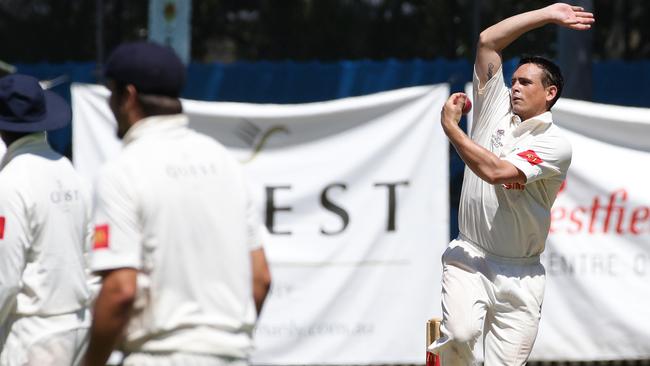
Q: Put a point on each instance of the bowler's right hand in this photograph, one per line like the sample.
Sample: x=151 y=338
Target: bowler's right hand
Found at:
x=573 y=17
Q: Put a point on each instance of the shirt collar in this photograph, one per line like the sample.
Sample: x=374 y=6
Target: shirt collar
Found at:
x=154 y=124
x=25 y=143
x=530 y=124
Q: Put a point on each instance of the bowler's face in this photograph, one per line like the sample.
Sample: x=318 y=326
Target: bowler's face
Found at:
x=528 y=96
x=115 y=103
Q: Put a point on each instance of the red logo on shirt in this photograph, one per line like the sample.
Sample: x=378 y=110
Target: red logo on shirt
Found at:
x=101 y=237
x=531 y=157
x=2 y=227
x=516 y=186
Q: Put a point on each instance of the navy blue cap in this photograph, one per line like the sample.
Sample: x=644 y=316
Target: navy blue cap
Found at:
x=150 y=67
x=26 y=107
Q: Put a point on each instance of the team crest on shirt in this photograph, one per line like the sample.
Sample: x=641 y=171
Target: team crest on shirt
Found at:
x=496 y=138
x=531 y=157
x=101 y=237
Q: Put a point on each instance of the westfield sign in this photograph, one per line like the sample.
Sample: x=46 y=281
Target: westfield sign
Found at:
x=615 y=213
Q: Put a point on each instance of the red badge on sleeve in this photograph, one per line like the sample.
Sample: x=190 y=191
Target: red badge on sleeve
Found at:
x=101 y=237
x=531 y=157
x=2 y=227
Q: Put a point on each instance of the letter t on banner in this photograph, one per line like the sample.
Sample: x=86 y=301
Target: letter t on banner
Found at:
x=169 y=24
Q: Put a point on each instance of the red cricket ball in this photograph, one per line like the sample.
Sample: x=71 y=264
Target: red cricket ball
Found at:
x=468 y=106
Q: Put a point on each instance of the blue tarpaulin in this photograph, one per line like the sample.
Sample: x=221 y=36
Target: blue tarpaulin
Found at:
x=284 y=82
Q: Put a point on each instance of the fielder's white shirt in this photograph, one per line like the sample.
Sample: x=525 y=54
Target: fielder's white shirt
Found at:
x=174 y=205
x=512 y=220
x=44 y=232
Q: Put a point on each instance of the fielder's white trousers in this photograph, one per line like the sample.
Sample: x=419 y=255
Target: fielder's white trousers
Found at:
x=499 y=297
x=55 y=340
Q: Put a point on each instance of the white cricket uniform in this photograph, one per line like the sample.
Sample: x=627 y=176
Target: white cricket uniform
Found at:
x=174 y=206
x=44 y=234
x=492 y=277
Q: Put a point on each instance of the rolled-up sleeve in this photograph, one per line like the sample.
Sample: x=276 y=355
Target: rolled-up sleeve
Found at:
x=117 y=240
x=14 y=243
x=542 y=158
x=256 y=232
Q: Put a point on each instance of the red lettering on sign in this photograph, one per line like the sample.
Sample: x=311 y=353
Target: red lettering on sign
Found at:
x=611 y=214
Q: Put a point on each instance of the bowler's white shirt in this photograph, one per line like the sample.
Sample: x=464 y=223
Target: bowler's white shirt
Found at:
x=44 y=232
x=512 y=220
x=174 y=205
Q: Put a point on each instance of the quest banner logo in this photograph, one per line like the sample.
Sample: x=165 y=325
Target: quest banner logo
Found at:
x=256 y=137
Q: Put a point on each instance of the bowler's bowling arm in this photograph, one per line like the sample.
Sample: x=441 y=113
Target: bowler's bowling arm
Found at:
x=497 y=37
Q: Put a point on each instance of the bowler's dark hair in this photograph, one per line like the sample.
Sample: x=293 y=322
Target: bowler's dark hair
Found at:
x=551 y=74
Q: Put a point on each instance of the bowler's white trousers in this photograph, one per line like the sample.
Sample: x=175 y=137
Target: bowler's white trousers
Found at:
x=483 y=293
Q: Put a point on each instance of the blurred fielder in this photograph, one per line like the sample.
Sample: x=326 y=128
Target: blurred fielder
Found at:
x=44 y=233
x=493 y=281
x=177 y=240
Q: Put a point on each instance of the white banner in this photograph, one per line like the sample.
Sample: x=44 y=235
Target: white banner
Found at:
x=355 y=195
x=597 y=257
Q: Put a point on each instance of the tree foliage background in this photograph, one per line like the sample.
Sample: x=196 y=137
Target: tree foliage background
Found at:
x=229 y=30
